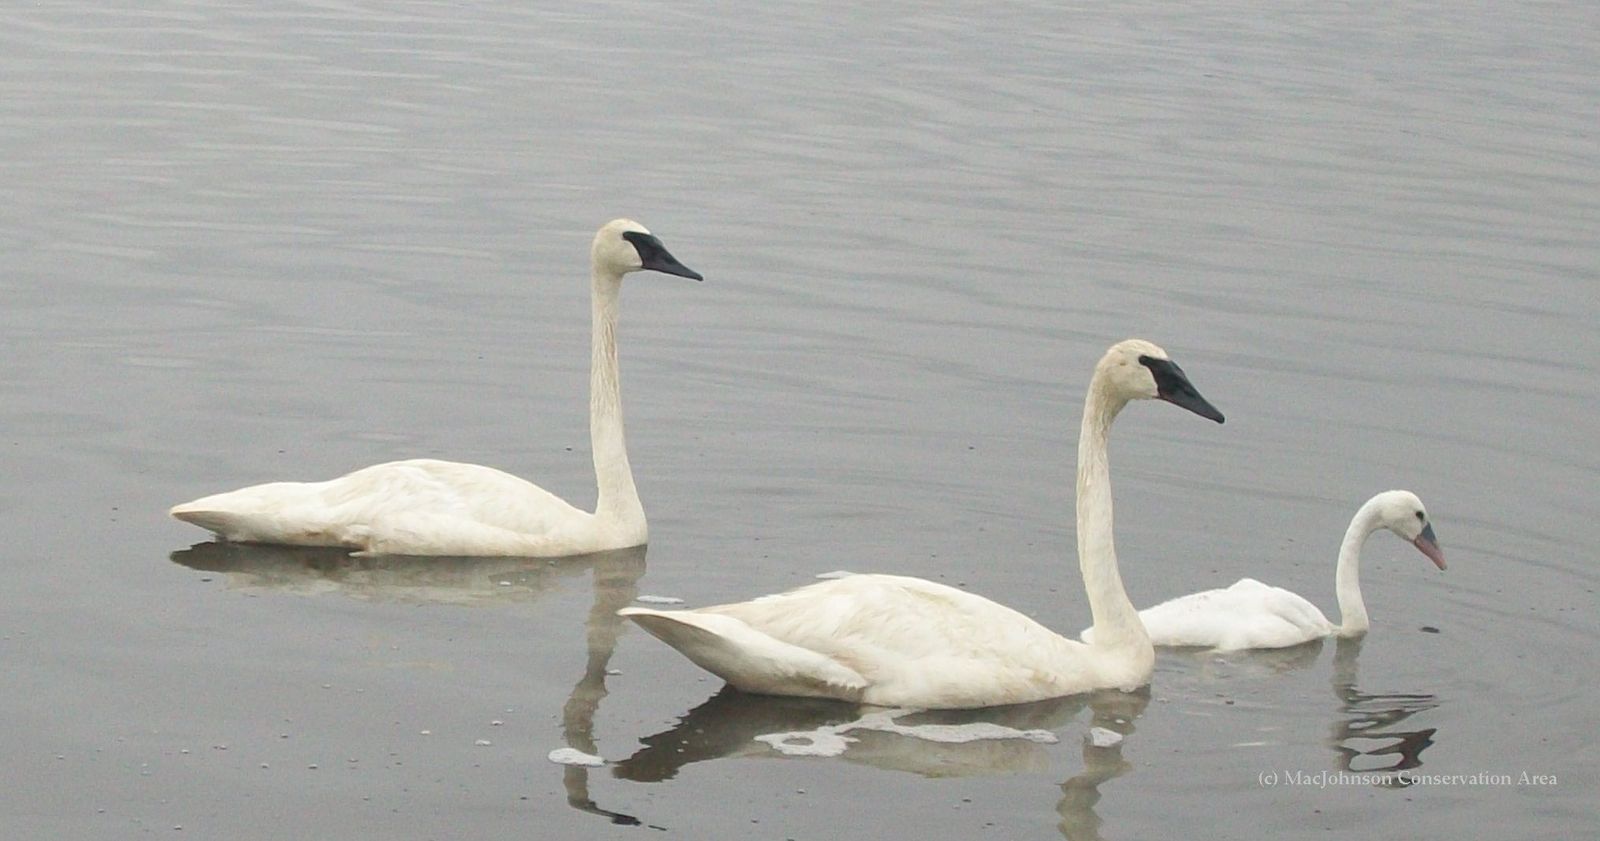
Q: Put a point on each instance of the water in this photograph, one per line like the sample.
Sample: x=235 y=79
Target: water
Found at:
x=247 y=242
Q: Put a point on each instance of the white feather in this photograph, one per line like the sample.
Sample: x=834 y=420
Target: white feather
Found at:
x=1250 y=614
x=897 y=641
x=431 y=507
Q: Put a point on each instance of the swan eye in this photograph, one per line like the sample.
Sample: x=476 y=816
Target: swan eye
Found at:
x=1421 y=518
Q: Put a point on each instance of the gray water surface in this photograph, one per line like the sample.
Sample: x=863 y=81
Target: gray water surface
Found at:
x=253 y=241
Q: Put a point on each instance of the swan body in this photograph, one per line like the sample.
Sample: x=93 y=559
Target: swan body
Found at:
x=895 y=641
x=432 y=507
x=1251 y=614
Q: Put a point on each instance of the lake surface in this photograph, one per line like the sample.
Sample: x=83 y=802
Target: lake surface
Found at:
x=257 y=241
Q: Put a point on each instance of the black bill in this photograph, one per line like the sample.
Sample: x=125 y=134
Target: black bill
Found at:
x=655 y=256
x=1173 y=386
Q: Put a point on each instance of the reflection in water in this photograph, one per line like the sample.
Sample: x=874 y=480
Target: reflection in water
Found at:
x=1367 y=719
x=727 y=725
x=616 y=582
x=1252 y=661
x=315 y=570
x=462 y=581
x=730 y=722
x=1114 y=711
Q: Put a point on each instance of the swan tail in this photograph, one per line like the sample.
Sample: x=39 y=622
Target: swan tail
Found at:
x=257 y=515
x=221 y=522
x=748 y=659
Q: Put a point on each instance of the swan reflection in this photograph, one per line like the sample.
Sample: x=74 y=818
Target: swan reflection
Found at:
x=459 y=581
x=616 y=584
x=1254 y=662
x=1365 y=737
x=1079 y=821
x=314 y=570
x=934 y=743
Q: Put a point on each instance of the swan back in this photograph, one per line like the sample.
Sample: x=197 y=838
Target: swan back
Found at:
x=1248 y=614
x=888 y=640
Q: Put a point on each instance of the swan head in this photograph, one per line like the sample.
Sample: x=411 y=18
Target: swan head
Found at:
x=1402 y=513
x=623 y=245
x=1135 y=369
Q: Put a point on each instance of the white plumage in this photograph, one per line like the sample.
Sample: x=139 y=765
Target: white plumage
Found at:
x=897 y=641
x=1251 y=614
x=432 y=507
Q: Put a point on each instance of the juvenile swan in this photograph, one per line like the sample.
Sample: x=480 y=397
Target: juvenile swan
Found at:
x=896 y=641
x=1253 y=615
x=430 y=507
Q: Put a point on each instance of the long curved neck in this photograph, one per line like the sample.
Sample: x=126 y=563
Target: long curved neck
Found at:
x=1347 y=576
x=1116 y=623
x=618 y=499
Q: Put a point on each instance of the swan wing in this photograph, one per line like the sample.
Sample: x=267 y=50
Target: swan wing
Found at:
x=907 y=642
x=417 y=506
x=1248 y=614
x=481 y=494
x=747 y=658
x=1291 y=608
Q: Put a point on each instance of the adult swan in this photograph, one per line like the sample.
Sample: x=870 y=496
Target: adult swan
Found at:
x=896 y=641
x=430 y=507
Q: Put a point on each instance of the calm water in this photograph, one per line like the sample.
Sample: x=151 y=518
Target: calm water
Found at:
x=252 y=241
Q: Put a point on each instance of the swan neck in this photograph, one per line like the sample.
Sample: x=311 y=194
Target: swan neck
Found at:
x=618 y=499
x=1116 y=622
x=1347 y=576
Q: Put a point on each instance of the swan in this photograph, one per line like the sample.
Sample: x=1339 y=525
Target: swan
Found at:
x=432 y=507
x=889 y=640
x=1254 y=615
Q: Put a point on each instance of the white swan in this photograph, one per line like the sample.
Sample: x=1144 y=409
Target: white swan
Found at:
x=430 y=507
x=896 y=641
x=1254 y=615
